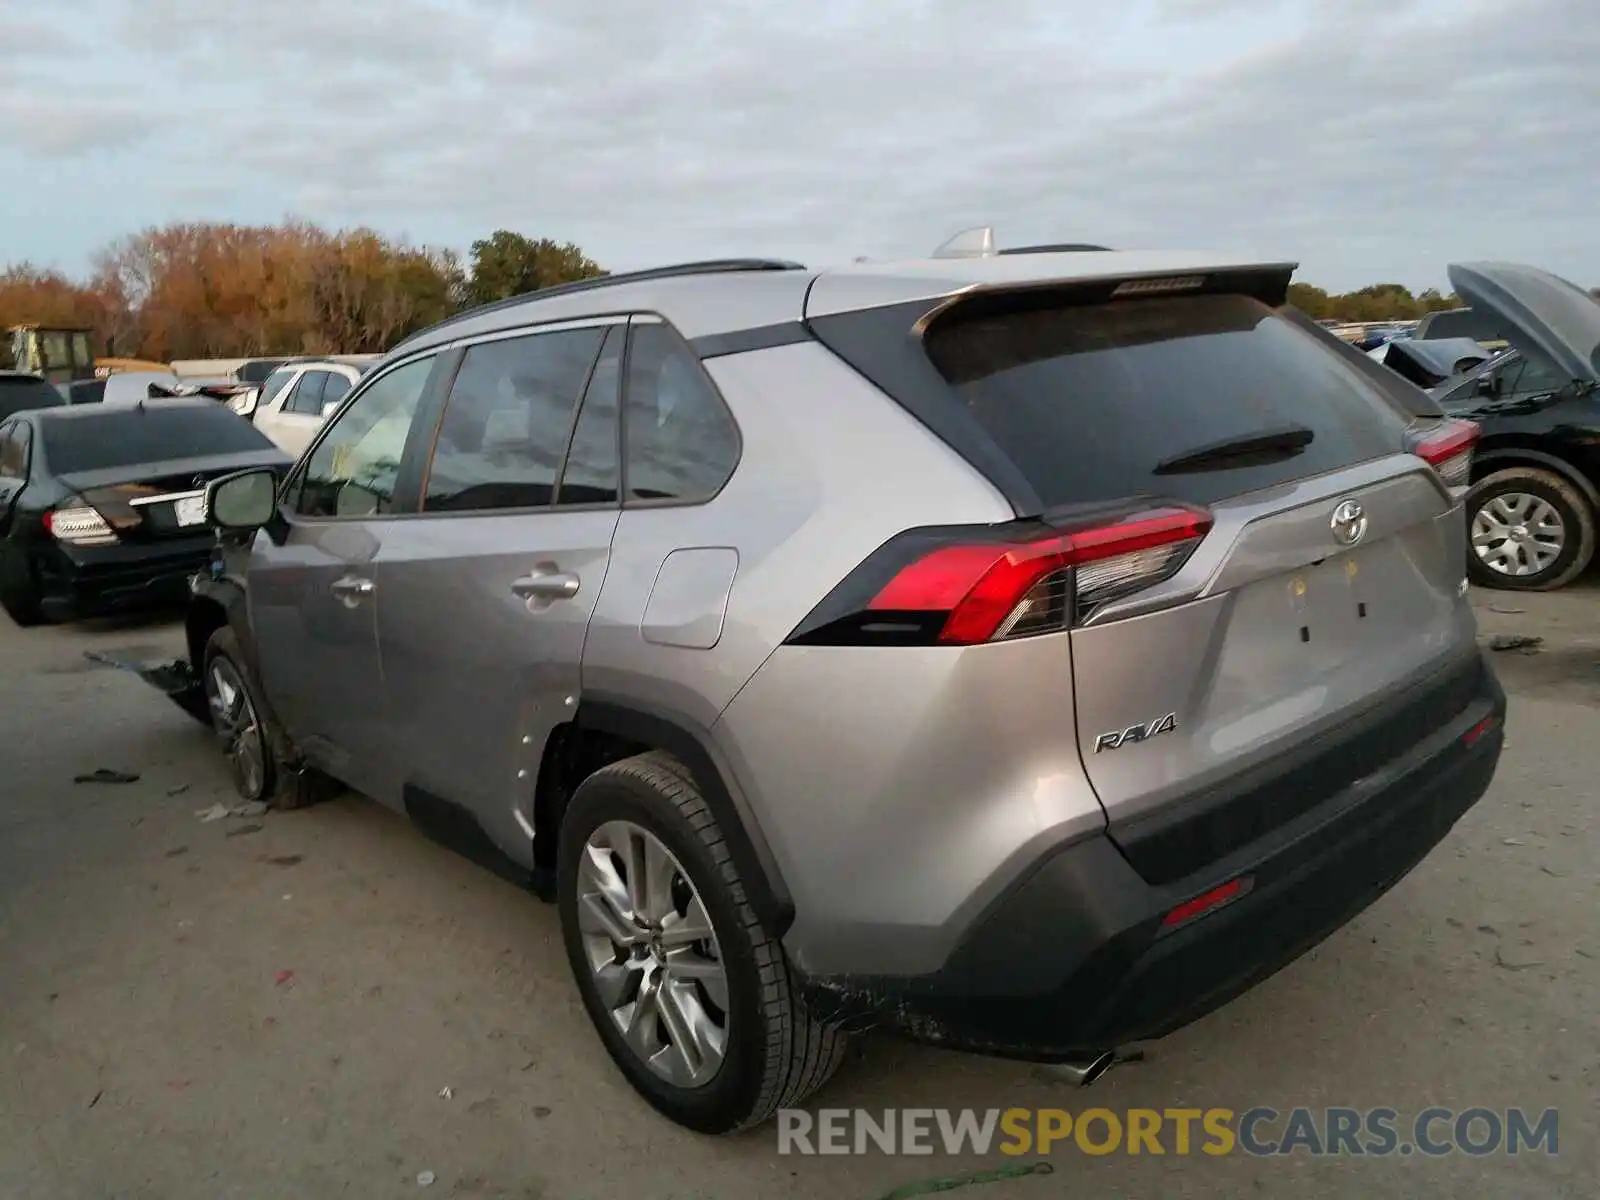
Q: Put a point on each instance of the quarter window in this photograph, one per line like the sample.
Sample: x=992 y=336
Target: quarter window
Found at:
x=306 y=398
x=680 y=442
x=353 y=470
x=506 y=425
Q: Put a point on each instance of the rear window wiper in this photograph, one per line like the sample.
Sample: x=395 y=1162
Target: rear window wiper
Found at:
x=1250 y=449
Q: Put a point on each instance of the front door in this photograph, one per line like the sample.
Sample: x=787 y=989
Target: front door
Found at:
x=313 y=591
x=486 y=596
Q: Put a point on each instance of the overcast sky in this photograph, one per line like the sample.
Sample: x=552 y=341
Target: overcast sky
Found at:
x=1368 y=139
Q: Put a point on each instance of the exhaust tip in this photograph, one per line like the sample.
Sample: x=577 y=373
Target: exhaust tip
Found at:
x=1083 y=1072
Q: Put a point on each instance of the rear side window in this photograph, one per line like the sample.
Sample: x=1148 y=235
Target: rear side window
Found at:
x=105 y=437
x=20 y=393
x=505 y=426
x=1101 y=402
x=306 y=398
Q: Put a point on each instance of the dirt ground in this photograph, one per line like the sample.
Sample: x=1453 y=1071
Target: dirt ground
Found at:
x=324 y=1004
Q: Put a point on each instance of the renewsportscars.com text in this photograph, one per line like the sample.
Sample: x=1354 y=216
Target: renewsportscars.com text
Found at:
x=1318 y=1132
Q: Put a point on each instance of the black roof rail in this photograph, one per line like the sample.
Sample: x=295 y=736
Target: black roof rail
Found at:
x=711 y=266
x=1060 y=248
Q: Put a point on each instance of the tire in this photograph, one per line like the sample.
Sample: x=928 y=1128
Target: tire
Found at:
x=244 y=726
x=1525 y=501
x=21 y=601
x=774 y=1053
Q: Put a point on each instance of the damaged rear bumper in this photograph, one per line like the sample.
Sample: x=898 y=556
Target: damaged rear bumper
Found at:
x=1084 y=954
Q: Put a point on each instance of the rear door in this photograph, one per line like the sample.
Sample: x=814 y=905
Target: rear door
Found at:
x=294 y=417
x=1330 y=582
x=484 y=599
x=313 y=589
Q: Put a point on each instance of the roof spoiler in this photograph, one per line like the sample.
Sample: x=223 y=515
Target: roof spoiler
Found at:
x=979 y=242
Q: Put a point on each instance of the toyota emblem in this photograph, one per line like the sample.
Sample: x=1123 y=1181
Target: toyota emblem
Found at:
x=1349 y=523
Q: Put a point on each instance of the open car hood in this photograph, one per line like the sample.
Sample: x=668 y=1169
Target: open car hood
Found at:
x=1547 y=315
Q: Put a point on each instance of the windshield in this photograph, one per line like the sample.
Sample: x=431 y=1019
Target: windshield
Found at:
x=118 y=437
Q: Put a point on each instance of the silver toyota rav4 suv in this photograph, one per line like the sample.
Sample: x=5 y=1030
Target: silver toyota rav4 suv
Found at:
x=1028 y=650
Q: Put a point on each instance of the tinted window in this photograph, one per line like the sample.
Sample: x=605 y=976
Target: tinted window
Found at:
x=353 y=470
x=590 y=475
x=681 y=443
x=88 y=391
x=21 y=392
x=93 y=439
x=1100 y=402
x=505 y=427
x=258 y=370
x=275 y=383
x=335 y=389
x=1532 y=375
x=307 y=395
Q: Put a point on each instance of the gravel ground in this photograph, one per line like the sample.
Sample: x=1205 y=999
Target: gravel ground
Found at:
x=276 y=1007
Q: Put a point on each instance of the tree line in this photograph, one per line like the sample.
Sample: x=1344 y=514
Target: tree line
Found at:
x=205 y=290
x=211 y=290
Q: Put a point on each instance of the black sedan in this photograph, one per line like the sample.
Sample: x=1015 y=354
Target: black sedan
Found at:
x=102 y=507
x=20 y=391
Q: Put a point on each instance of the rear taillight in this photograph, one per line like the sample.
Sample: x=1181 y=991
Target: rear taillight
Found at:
x=963 y=587
x=74 y=522
x=1448 y=450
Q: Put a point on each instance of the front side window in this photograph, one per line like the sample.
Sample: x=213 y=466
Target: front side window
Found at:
x=505 y=426
x=680 y=441
x=354 y=468
x=275 y=383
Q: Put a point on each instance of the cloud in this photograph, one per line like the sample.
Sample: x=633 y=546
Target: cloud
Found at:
x=1369 y=140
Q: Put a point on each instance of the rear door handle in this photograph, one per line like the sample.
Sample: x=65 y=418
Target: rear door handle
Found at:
x=555 y=586
x=352 y=589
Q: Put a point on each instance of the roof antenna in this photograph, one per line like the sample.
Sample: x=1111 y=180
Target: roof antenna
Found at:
x=969 y=243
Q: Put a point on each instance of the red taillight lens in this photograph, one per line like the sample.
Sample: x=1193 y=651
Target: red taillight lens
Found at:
x=994 y=590
x=1449 y=451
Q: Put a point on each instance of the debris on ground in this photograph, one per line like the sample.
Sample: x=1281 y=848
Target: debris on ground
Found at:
x=1515 y=964
x=178 y=789
x=540 y=1112
x=447 y=1093
x=1511 y=842
x=218 y=812
x=1505 y=609
x=243 y=831
x=284 y=977
x=96 y=1099
x=106 y=775
x=177 y=851
x=281 y=860
x=425 y=1178
x=1514 y=641
x=949 y=1183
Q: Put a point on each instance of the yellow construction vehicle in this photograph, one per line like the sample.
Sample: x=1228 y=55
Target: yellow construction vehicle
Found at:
x=60 y=354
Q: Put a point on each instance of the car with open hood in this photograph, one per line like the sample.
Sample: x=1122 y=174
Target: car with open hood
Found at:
x=1532 y=510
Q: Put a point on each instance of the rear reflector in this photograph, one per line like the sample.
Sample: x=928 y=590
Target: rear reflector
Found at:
x=1480 y=731
x=1206 y=902
x=1449 y=451
x=958 y=588
x=78 y=524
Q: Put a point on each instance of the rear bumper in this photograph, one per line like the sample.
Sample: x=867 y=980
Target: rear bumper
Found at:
x=1075 y=959
x=93 y=581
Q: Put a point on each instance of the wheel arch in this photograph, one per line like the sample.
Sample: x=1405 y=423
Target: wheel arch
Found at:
x=1497 y=456
x=637 y=729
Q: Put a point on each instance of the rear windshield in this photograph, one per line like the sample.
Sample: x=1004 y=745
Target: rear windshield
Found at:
x=1100 y=402
x=255 y=372
x=17 y=395
x=120 y=437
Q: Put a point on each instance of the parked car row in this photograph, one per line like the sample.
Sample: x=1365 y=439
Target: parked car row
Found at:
x=1028 y=650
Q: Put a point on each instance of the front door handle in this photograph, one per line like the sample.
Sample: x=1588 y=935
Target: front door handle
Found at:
x=351 y=590
x=555 y=586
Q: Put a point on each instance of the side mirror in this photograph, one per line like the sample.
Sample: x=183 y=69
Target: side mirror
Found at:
x=1488 y=385
x=329 y=408
x=243 y=500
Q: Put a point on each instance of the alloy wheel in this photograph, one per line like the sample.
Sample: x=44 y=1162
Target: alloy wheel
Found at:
x=1519 y=534
x=233 y=716
x=649 y=942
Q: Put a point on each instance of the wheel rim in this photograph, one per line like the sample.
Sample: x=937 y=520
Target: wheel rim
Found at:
x=1518 y=534
x=653 y=953
x=233 y=716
